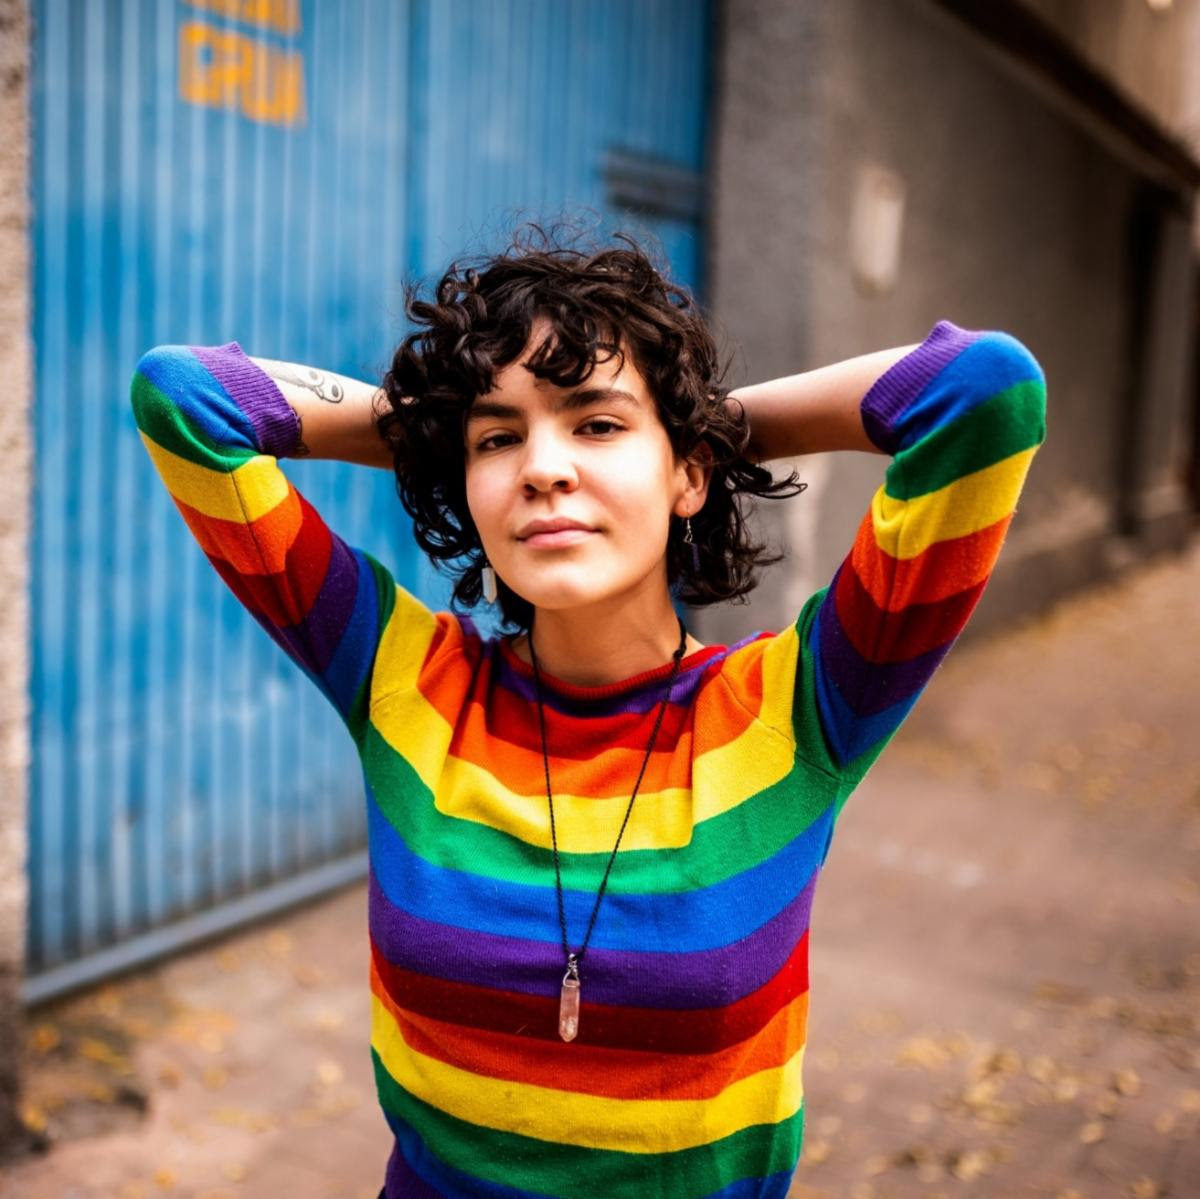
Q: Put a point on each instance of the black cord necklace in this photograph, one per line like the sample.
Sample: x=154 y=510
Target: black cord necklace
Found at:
x=568 y=1006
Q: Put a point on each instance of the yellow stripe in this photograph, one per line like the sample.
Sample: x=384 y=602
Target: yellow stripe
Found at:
x=243 y=495
x=403 y=648
x=590 y=1121
x=779 y=665
x=721 y=779
x=906 y=528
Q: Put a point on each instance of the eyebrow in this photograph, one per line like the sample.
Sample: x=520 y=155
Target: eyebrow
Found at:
x=482 y=409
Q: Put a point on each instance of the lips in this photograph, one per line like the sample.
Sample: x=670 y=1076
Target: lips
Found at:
x=552 y=538
x=553 y=525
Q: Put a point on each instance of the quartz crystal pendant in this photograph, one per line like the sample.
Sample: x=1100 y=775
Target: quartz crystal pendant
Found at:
x=568 y=1005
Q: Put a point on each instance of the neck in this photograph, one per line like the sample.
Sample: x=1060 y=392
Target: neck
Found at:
x=575 y=646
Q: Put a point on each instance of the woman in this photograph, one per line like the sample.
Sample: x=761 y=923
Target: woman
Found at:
x=594 y=841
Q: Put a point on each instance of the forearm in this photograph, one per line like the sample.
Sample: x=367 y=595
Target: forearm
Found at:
x=815 y=411
x=336 y=413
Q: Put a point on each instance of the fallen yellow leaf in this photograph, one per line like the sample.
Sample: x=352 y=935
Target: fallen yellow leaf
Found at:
x=1127 y=1082
x=44 y=1038
x=817 y=1151
x=329 y=1072
x=278 y=943
x=33 y=1116
x=970 y=1165
x=96 y=1050
x=877 y=1163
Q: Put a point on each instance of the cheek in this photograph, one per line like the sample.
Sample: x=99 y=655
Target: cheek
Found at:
x=481 y=498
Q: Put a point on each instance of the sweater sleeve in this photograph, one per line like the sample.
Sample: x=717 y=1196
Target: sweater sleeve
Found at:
x=962 y=416
x=215 y=424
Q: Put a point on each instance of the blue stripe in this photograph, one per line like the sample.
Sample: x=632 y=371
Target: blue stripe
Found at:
x=850 y=734
x=182 y=379
x=355 y=653
x=992 y=364
x=668 y=922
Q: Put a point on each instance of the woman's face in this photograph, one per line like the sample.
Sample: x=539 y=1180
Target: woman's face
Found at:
x=596 y=454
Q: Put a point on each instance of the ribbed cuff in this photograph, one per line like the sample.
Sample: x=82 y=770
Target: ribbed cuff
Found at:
x=275 y=423
x=894 y=391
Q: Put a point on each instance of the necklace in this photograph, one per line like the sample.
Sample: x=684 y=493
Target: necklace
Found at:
x=568 y=1004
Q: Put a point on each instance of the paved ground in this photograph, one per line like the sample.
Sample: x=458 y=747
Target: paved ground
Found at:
x=1005 y=966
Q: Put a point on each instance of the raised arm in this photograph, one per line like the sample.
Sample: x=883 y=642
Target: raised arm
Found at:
x=336 y=413
x=961 y=414
x=214 y=423
x=815 y=411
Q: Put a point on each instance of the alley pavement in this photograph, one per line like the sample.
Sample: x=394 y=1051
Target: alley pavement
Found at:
x=1005 y=966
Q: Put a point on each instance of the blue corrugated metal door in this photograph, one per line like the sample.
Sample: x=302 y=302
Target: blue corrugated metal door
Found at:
x=268 y=171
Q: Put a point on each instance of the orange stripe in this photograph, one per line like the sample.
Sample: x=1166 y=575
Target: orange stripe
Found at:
x=258 y=549
x=943 y=569
x=595 y=1070
x=503 y=743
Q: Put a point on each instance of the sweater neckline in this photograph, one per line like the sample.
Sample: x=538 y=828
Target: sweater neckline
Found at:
x=618 y=686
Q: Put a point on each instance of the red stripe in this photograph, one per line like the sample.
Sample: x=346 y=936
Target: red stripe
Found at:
x=881 y=636
x=664 y=1030
x=287 y=597
x=942 y=569
x=599 y=1070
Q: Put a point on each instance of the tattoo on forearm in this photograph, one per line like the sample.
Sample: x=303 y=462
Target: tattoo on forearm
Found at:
x=323 y=385
x=301 y=450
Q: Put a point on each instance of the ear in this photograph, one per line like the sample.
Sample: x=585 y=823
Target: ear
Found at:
x=696 y=474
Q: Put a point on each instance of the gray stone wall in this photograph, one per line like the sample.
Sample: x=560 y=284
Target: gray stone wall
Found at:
x=15 y=489
x=1014 y=217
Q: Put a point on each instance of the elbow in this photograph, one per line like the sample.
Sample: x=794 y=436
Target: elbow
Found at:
x=150 y=385
x=1011 y=367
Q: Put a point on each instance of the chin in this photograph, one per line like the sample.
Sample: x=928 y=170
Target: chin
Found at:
x=561 y=593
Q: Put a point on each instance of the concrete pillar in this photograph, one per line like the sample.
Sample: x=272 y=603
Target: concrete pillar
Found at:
x=15 y=491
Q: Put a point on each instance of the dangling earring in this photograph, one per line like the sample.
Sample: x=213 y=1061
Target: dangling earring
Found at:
x=687 y=540
x=489 y=582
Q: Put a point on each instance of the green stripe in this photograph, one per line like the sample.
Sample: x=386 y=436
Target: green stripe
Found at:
x=1009 y=422
x=167 y=425
x=357 y=718
x=811 y=743
x=720 y=848
x=550 y=1168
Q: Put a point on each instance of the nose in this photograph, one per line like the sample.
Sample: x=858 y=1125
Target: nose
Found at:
x=548 y=461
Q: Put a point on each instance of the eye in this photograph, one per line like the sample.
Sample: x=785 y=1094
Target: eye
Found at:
x=606 y=427
x=486 y=443
x=600 y=420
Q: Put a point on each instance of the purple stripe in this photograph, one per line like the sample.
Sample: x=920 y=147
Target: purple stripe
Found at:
x=403 y=1182
x=276 y=425
x=663 y=980
x=900 y=385
x=868 y=687
x=324 y=626
x=315 y=640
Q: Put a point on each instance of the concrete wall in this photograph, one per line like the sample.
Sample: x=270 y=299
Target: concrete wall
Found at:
x=15 y=486
x=1014 y=217
x=1147 y=50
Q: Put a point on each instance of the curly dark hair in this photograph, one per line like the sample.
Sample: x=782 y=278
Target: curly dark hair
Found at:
x=596 y=299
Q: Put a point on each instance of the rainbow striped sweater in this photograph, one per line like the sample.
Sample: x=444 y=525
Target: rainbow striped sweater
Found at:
x=686 y=1076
